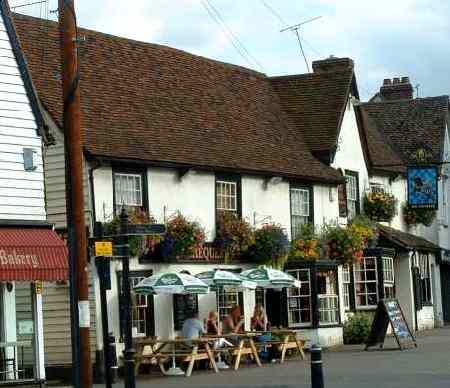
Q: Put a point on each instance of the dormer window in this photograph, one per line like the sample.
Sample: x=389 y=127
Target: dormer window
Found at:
x=129 y=191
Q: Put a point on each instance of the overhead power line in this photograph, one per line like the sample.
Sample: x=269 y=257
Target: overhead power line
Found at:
x=234 y=39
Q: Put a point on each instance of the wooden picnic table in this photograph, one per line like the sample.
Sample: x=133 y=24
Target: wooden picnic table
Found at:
x=190 y=351
x=245 y=346
x=288 y=340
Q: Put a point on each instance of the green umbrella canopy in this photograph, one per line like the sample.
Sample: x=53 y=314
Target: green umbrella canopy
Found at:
x=267 y=277
x=220 y=278
x=171 y=283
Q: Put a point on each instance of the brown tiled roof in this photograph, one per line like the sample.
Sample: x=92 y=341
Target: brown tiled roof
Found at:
x=380 y=153
x=315 y=103
x=407 y=240
x=407 y=125
x=152 y=103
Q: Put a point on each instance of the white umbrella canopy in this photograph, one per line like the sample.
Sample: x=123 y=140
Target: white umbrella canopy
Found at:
x=266 y=277
x=171 y=283
x=224 y=279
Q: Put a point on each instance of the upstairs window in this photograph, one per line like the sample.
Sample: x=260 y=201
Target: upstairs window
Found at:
x=228 y=194
x=301 y=208
x=128 y=191
x=352 y=189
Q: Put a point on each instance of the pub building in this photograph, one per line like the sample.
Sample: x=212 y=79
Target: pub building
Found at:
x=31 y=253
x=198 y=136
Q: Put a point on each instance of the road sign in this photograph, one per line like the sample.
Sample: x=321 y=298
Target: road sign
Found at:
x=103 y=248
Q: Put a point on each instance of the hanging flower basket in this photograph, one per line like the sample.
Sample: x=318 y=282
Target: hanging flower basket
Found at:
x=413 y=216
x=380 y=206
x=233 y=235
x=343 y=244
x=271 y=246
x=307 y=245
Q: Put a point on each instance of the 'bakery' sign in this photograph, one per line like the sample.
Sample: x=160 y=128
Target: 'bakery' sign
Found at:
x=14 y=259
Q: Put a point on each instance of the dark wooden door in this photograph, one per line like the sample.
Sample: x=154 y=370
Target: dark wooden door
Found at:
x=445 y=288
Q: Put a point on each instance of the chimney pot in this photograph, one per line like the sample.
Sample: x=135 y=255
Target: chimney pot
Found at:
x=396 y=80
x=405 y=80
x=387 y=81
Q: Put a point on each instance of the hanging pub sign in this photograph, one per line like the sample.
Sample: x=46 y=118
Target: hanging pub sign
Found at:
x=423 y=187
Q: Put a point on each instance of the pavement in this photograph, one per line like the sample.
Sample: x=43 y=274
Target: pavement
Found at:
x=428 y=366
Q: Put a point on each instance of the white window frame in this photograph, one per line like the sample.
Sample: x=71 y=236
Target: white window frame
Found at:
x=290 y=295
x=346 y=282
x=226 y=300
x=300 y=208
x=444 y=205
x=328 y=303
x=126 y=191
x=423 y=262
x=388 y=275
x=225 y=196
x=376 y=187
x=352 y=195
x=364 y=269
x=139 y=302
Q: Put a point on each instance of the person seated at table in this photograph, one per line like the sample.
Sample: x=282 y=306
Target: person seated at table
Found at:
x=192 y=328
x=234 y=322
x=259 y=320
x=212 y=323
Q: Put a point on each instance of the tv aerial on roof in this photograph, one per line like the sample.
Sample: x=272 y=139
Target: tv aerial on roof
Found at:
x=296 y=29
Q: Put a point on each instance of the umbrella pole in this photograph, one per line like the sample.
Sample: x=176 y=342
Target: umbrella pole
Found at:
x=220 y=363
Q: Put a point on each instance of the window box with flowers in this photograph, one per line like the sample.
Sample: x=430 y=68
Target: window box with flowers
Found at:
x=380 y=206
x=414 y=216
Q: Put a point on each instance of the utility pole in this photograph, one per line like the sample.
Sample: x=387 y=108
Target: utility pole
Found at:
x=79 y=295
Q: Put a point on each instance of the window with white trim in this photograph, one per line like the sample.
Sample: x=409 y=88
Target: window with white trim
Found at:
x=443 y=206
x=299 y=299
x=226 y=196
x=422 y=261
x=352 y=194
x=226 y=300
x=128 y=192
x=389 y=277
x=346 y=285
x=327 y=297
x=366 y=279
x=300 y=209
x=376 y=187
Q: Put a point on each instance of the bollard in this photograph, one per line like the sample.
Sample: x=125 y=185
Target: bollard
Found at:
x=316 y=367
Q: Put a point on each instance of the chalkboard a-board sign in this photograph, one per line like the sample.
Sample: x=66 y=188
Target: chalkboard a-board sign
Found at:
x=390 y=312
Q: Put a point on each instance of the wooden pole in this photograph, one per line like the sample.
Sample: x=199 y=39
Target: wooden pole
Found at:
x=73 y=141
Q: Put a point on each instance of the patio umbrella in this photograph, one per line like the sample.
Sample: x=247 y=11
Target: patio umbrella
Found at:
x=266 y=277
x=171 y=283
x=223 y=279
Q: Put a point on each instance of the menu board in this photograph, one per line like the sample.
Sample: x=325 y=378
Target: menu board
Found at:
x=390 y=312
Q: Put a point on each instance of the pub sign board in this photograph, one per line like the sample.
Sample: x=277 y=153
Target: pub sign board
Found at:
x=390 y=312
x=423 y=187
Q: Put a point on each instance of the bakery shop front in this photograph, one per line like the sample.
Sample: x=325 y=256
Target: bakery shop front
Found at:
x=29 y=256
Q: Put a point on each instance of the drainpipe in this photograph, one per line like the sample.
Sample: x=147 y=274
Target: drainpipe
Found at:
x=92 y=192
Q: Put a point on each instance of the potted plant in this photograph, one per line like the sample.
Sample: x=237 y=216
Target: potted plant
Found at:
x=271 y=246
x=414 y=216
x=182 y=237
x=343 y=243
x=380 y=206
x=234 y=235
x=306 y=245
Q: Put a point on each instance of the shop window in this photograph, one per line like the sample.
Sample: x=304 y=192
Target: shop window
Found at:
x=328 y=297
x=366 y=289
x=226 y=300
x=352 y=191
x=129 y=192
x=388 y=277
x=346 y=285
x=184 y=307
x=299 y=299
x=422 y=262
x=228 y=194
x=141 y=307
x=301 y=208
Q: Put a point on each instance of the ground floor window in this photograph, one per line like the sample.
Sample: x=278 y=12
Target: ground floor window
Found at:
x=366 y=283
x=141 y=307
x=184 y=307
x=422 y=262
x=299 y=299
x=346 y=285
x=388 y=277
x=260 y=296
x=328 y=297
x=226 y=300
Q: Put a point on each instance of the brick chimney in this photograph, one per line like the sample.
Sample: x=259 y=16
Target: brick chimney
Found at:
x=332 y=64
x=397 y=89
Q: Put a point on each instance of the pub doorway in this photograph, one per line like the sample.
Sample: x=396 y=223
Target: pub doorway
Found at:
x=445 y=289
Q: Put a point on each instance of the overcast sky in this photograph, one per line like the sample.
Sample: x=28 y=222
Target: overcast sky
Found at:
x=385 y=38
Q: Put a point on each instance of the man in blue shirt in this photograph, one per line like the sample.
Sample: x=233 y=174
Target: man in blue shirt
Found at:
x=192 y=327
